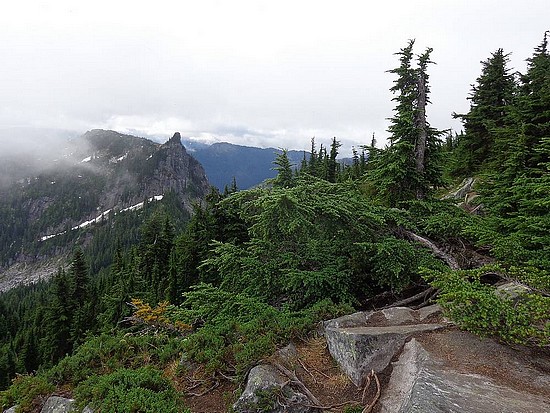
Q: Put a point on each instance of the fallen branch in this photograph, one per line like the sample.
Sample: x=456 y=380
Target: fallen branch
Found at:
x=291 y=375
x=365 y=389
x=204 y=392
x=305 y=368
x=331 y=406
x=370 y=406
x=412 y=299
x=449 y=259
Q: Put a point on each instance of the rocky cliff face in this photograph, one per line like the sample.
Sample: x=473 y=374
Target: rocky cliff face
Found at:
x=85 y=183
x=177 y=171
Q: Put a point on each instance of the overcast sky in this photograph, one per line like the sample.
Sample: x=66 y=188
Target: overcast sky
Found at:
x=263 y=73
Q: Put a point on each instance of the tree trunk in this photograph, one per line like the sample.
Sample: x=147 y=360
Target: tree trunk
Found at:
x=420 y=150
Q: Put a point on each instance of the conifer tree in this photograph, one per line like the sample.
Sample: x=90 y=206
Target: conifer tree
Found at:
x=283 y=167
x=516 y=189
x=80 y=297
x=409 y=168
x=332 y=172
x=490 y=113
x=312 y=166
x=58 y=319
x=534 y=108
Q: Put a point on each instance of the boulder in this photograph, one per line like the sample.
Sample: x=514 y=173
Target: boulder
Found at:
x=460 y=193
x=350 y=320
x=56 y=404
x=267 y=390
x=427 y=312
x=358 y=350
x=366 y=341
x=421 y=383
x=287 y=355
x=511 y=290
x=398 y=315
x=11 y=409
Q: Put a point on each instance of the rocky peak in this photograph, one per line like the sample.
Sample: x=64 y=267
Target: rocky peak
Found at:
x=178 y=171
x=175 y=139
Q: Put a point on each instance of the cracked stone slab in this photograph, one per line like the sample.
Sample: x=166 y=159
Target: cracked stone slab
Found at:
x=358 y=350
x=419 y=384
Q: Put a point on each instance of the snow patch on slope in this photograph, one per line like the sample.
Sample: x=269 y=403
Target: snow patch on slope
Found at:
x=104 y=215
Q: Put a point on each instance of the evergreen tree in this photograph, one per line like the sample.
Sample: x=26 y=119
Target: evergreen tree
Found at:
x=409 y=168
x=312 y=166
x=58 y=318
x=333 y=170
x=80 y=297
x=490 y=112
x=283 y=167
x=155 y=249
x=517 y=193
x=534 y=108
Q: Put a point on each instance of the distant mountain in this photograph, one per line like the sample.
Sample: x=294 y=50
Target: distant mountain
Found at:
x=249 y=166
x=61 y=195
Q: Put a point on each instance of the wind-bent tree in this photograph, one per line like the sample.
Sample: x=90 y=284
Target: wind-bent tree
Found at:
x=408 y=168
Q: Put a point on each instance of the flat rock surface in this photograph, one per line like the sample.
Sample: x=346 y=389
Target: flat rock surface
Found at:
x=517 y=367
x=362 y=342
x=454 y=371
x=400 y=329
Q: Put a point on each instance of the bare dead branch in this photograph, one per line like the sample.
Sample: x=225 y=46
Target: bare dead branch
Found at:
x=368 y=409
x=216 y=384
x=412 y=299
x=291 y=375
x=449 y=259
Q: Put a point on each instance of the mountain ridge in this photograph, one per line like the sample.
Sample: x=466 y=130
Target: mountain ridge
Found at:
x=98 y=175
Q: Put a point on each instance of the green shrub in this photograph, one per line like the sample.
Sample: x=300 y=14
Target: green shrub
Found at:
x=239 y=330
x=105 y=353
x=26 y=391
x=142 y=390
x=476 y=307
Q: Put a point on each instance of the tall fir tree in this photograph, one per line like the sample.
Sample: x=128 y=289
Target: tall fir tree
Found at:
x=409 y=167
x=534 y=108
x=284 y=178
x=56 y=341
x=487 y=124
x=79 y=297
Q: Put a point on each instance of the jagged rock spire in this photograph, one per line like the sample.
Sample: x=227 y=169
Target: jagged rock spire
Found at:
x=176 y=138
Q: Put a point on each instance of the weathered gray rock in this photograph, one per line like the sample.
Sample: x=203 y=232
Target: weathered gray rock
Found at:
x=464 y=188
x=388 y=317
x=88 y=409
x=11 y=409
x=288 y=354
x=429 y=311
x=268 y=391
x=511 y=290
x=398 y=315
x=56 y=404
x=351 y=320
x=419 y=383
x=358 y=350
x=366 y=341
